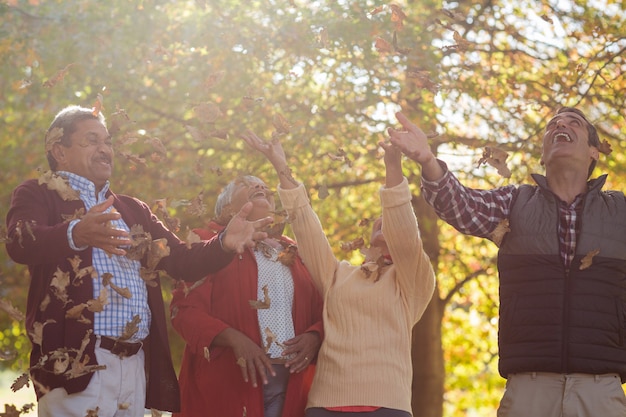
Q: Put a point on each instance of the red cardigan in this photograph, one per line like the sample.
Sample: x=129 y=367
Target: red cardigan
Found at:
x=48 y=249
x=215 y=387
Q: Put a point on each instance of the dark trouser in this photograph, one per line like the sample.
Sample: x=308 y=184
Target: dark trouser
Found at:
x=275 y=390
x=381 y=412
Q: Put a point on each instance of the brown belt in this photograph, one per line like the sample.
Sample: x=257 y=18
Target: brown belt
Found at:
x=118 y=347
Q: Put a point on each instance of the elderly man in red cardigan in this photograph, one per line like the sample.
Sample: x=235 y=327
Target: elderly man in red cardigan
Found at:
x=95 y=313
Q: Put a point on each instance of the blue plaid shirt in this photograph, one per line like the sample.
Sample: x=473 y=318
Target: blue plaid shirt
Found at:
x=119 y=311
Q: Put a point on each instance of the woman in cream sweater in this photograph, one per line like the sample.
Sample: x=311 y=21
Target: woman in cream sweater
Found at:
x=364 y=363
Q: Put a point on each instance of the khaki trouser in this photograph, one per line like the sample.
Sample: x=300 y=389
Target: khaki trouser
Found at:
x=543 y=394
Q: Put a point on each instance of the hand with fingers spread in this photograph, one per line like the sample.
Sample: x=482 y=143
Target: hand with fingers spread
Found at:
x=303 y=347
x=414 y=143
x=240 y=233
x=275 y=154
x=94 y=229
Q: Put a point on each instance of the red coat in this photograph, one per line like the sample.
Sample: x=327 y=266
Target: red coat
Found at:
x=215 y=387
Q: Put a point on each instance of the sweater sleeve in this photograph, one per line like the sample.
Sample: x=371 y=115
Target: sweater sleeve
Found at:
x=313 y=245
x=414 y=272
x=35 y=236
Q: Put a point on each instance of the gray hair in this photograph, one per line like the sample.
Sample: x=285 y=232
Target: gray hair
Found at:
x=226 y=196
x=67 y=119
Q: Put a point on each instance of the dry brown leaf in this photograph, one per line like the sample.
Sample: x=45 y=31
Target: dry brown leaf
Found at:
x=37 y=334
x=107 y=279
x=377 y=10
x=78 y=214
x=59 y=283
x=10 y=411
x=20 y=382
x=288 y=255
x=281 y=124
x=397 y=16
x=353 y=244
x=207 y=112
x=139 y=242
x=61 y=185
x=213 y=79
x=13 y=312
x=92 y=413
x=98 y=105
x=60 y=359
x=501 y=229
x=192 y=237
x=605 y=148
x=497 y=159
x=383 y=46
x=53 y=136
x=97 y=305
x=131 y=328
x=159 y=249
x=587 y=260
x=76 y=312
x=149 y=276
x=270 y=338
x=461 y=43
x=58 y=77
x=262 y=305
x=197 y=206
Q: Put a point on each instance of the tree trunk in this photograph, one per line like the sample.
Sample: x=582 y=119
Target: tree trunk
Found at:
x=427 y=350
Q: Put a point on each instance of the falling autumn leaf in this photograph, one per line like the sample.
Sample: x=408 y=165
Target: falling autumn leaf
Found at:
x=281 y=124
x=352 y=245
x=288 y=255
x=397 y=16
x=98 y=105
x=382 y=46
x=107 y=279
x=497 y=159
x=58 y=77
x=20 y=382
x=53 y=136
x=213 y=79
x=37 y=334
x=61 y=185
x=59 y=283
x=264 y=304
x=131 y=328
x=159 y=249
x=605 y=148
x=207 y=112
x=77 y=215
x=13 y=312
x=587 y=260
x=501 y=229
x=197 y=206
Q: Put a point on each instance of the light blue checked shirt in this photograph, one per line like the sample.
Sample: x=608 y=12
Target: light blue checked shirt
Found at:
x=119 y=311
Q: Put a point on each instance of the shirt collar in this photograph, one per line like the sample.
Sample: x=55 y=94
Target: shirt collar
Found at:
x=85 y=187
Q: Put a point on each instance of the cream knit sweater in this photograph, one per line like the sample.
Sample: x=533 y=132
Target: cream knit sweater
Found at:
x=365 y=358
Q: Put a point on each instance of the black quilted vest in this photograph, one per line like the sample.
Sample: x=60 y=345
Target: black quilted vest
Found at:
x=558 y=320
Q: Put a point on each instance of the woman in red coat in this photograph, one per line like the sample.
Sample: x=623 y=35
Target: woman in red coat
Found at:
x=253 y=329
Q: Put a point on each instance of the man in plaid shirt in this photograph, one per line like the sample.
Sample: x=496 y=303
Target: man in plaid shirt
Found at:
x=562 y=270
